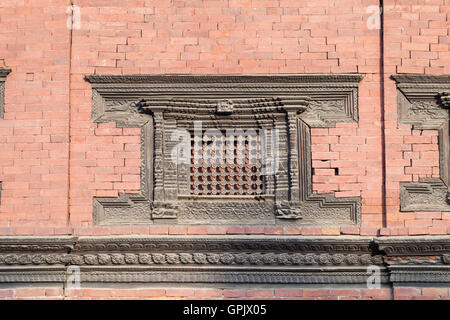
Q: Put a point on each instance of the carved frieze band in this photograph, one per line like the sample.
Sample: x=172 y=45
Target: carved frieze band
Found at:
x=294 y=104
x=423 y=102
x=231 y=259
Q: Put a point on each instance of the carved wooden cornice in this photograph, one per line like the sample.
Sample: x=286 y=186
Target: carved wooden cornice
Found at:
x=225 y=259
x=403 y=79
x=182 y=79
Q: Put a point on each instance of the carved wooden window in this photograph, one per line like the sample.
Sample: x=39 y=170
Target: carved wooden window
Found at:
x=275 y=113
x=423 y=102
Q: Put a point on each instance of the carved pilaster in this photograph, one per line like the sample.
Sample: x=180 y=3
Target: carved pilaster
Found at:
x=294 y=191
x=158 y=156
x=3 y=74
x=170 y=165
x=269 y=152
x=282 y=173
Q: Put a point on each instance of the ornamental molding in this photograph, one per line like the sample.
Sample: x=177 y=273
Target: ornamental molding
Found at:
x=224 y=259
x=419 y=274
x=220 y=79
x=414 y=246
x=423 y=103
x=292 y=103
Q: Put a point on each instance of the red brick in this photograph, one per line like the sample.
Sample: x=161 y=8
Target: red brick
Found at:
x=406 y=292
x=151 y=292
x=262 y=293
x=31 y=292
x=234 y=293
x=288 y=292
x=6 y=293
x=210 y=293
x=179 y=292
x=316 y=293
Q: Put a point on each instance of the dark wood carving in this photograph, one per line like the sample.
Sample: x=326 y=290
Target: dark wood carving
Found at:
x=3 y=74
x=423 y=102
x=162 y=104
x=230 y=259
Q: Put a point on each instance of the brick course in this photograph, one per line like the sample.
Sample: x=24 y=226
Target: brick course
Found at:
x=398 y=293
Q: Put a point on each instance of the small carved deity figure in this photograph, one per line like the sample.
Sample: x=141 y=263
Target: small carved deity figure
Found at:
x=287 y=210
x=167 y=210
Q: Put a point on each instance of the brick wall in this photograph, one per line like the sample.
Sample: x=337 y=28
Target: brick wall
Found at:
x=417 y=41
x=350 y=293
x=54 y=159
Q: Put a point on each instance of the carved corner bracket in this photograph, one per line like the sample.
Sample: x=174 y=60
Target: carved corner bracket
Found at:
x=292 y=103
x=423 y=102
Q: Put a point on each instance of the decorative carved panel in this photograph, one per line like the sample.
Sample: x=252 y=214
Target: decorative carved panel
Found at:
x=168 y=259
x=423 y=102
x=274 y=113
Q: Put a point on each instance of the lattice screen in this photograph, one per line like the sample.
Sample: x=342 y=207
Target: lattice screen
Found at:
x=226 y=165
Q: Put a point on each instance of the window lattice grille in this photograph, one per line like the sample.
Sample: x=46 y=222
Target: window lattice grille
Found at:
x=226 y=166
